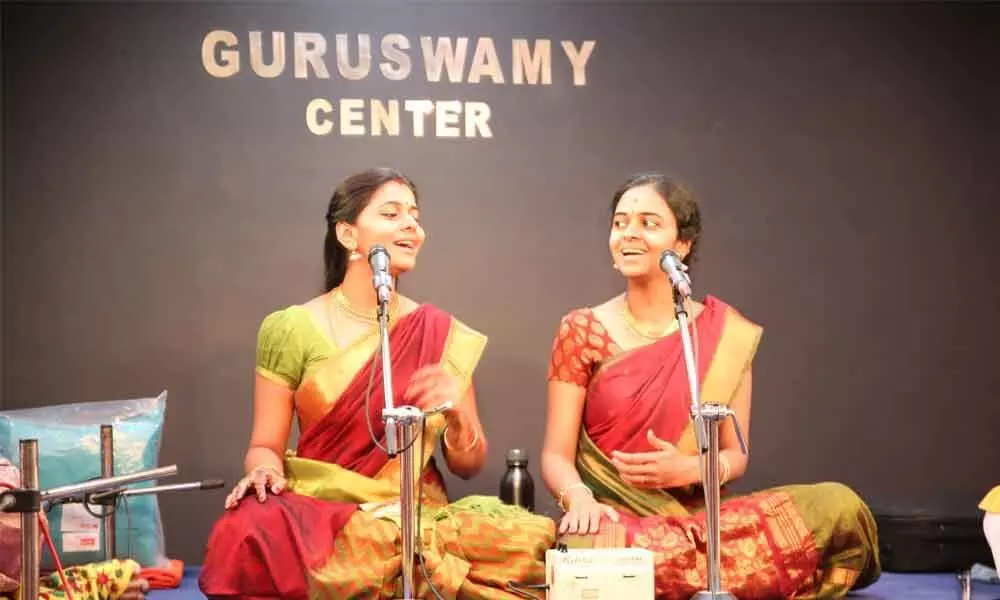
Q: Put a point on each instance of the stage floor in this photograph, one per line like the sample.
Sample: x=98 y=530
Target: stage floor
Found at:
x=891 y=586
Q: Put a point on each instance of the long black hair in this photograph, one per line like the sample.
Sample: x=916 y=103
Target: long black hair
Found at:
x=679 y=199
x=350 y=198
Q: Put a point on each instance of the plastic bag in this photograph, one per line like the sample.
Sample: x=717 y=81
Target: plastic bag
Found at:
x=69 y=451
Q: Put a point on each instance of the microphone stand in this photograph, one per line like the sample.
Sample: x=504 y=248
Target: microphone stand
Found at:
x=102 y=497
x=402 y=433
x=28 y=501
x=30 y=559
x=706 y=419
x=400 y=437
x=108 y=470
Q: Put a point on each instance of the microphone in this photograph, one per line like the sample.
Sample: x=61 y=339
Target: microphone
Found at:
x=378 y=260
x=671 y=263
x=207 y=484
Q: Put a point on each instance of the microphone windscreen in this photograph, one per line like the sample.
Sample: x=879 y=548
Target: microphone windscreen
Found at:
x=378 y=258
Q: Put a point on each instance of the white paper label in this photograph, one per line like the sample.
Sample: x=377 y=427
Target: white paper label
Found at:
x=80 y=541
x=76 y=518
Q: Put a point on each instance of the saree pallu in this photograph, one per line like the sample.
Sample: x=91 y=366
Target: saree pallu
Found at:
x=797 y=541
x=335 y=532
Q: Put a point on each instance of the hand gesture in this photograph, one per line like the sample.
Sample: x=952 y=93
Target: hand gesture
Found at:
x=261 y=479
x=585 y=514
x=430 y=387
x=661 y=468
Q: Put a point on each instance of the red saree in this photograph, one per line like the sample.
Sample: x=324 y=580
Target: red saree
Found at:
x=265 y=549
x=791 y=542
x=333 y=533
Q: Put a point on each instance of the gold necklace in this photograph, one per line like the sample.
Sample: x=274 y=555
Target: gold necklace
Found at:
x=642 y=332
x=345 y=307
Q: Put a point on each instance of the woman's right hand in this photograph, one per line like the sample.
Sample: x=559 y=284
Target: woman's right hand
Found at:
x=261 y=479
x=585 y=514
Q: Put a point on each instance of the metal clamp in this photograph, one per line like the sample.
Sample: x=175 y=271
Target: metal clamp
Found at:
x=21 y=501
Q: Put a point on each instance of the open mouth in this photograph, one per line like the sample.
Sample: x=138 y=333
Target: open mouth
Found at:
x=406 y=245
x=632 y=252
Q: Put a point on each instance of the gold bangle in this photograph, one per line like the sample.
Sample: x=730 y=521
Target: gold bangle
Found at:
x=562 y=493
x=475 y=440
x=725 y=469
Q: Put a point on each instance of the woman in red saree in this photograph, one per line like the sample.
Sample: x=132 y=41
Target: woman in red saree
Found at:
x=620 y=452
x=324 y=521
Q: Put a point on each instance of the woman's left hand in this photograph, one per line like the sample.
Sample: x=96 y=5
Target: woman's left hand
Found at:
x=431 y=387
x=665 y=467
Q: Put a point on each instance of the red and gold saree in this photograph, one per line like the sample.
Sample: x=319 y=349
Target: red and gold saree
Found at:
x=335 y=533
x=799 y=541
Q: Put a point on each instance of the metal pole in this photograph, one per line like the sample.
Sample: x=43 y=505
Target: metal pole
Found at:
x=397 y=425
x=74 y=489
x=392 y=443
x=108 y=470
x=30 y=565
x=712 y=509
x=706 y=419
x=408 y=504
x=208 y=484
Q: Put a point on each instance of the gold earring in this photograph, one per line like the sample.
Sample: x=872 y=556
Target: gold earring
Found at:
x=354 y=255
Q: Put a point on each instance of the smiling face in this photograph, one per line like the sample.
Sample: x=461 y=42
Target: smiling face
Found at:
x=392 y=220
x=642 y=227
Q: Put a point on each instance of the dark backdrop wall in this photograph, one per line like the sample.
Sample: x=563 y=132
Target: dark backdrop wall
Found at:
x=845 y=157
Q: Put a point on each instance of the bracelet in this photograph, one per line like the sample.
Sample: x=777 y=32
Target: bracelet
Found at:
x=724 y=469
x=475 y=440
x=562 y=493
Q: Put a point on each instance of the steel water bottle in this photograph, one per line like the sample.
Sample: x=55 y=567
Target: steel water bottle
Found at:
x=517 y=487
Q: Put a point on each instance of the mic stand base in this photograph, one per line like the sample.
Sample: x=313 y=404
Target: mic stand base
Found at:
x=703 y=595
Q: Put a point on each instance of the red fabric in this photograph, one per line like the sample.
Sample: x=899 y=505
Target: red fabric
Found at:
x=265 y=550
x=10 y=532
x=636 y=390
x=342 y=436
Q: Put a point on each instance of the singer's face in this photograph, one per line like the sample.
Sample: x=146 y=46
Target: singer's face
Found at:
x=392 y=220
x=642 y=228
